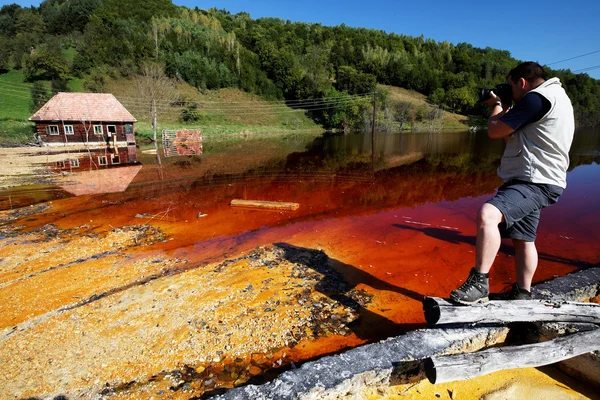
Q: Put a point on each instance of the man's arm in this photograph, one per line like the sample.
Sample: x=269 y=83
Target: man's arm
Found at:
x=503 y=122
x=496 y=128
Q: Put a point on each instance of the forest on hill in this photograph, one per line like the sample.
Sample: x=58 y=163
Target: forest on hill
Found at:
x=300 y=63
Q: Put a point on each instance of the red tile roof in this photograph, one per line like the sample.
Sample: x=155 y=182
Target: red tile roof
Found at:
x=97 y=107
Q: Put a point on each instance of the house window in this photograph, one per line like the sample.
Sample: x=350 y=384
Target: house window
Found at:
x=102 y=160
x=98 y=129
x=59 y=164
x=74 y=163
x=116 y=159
x=111 y=129
x=69 y=130
x=52 y=130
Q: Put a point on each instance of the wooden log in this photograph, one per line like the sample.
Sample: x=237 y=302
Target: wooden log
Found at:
x=470 y=365
x=271 y=205
x=442 y=311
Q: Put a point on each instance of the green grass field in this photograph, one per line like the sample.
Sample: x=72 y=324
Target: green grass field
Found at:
x=15 y=96
x=15 y=108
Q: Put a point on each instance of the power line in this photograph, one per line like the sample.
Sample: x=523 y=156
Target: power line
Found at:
x=588 y=69
x=29 y=88
x=140 y=104
x=572 y=58
x=227 y=107
x=276 y=102
x=164 y=110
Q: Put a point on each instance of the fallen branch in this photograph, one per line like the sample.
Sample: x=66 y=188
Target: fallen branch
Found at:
x=470 y=365
x=273 y=205
x=441 y=311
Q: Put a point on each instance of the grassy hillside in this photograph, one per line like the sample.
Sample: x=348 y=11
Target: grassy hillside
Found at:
x=224 y=111
x=15 y=107
x=218 y=112
x=450 y=121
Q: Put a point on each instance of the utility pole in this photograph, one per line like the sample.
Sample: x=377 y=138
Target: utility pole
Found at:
x=153 y=113
x=373 y=132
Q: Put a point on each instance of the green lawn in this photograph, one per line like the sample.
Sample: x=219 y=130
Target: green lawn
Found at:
x=15 y=108
x=15 y=96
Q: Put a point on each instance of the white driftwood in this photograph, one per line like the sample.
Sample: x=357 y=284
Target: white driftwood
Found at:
x=470 y=365
x=442 y=311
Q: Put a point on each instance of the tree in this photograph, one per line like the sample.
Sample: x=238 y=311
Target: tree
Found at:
x=97 y=79
x=8 y=15
x=461 y=99
x=39 y=95
x=59 y=85
x=402 y=113
x=137 y=10
x=437 y=96
x=156 y=89
x=48 y=63
x=350 y=80
x=345 y=112
x=75 y=13
x=29 y=23
x=4 y=55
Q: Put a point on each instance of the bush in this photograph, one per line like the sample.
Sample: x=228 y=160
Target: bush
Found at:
x=190 y=114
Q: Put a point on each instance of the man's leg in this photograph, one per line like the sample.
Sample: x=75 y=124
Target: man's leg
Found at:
x=488 y=237
x=526 y=260
x=477 y=288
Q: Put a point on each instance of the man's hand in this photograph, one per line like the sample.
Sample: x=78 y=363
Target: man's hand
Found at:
x=493 y=100
x=496 y=128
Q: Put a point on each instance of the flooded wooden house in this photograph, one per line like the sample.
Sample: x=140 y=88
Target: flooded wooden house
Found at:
x=93 y=118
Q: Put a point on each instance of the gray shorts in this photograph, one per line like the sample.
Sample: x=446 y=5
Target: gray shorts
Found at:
x=520 y=203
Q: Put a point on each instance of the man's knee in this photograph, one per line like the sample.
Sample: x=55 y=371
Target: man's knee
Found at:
x=489 y=215
x=524 y=245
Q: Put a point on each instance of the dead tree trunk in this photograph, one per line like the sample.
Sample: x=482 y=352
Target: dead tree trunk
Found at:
x=441 y=311
x=465 y=366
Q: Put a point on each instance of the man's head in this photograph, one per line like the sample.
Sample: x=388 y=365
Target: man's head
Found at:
x=525 y=77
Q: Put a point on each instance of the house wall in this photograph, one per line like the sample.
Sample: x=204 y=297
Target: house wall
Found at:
x=79 y=132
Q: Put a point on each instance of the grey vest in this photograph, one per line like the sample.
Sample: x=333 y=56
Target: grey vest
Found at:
x=539 y=152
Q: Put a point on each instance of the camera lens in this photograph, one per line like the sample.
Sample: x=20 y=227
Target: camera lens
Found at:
x=484 y=94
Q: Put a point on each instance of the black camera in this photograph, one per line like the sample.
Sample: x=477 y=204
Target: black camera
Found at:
x=503 y=90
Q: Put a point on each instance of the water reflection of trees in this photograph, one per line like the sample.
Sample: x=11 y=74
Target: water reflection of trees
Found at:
x=409 y=170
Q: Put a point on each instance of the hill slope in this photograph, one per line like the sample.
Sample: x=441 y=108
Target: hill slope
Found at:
x=216 y=112
x=417 y=100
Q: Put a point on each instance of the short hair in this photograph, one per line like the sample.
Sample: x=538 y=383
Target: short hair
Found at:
x=530 y=71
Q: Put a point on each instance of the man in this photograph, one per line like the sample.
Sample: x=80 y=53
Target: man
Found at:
x=538 y=132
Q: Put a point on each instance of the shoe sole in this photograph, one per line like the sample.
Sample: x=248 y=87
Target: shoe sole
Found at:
x=470 y=303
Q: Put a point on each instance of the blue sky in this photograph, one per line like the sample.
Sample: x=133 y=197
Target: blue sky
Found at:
x=546 y=31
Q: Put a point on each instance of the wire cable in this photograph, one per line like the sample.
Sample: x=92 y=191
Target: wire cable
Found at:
x=226 y=107
x=572 y=58
x=588 y=69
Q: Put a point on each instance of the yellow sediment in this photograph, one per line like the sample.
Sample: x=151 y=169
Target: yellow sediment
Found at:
x=190 y=319
x=526 y=383
x=38 y=276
